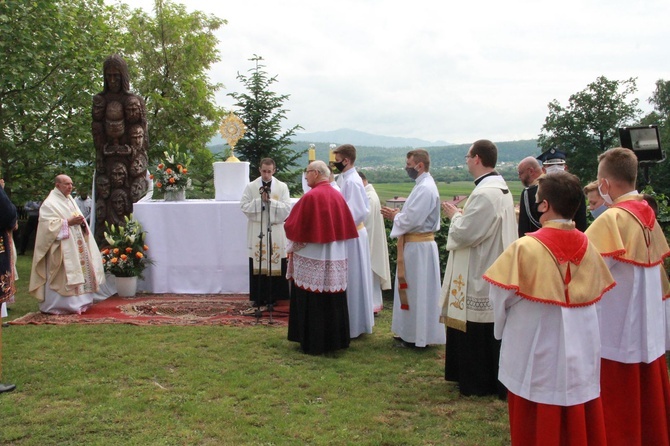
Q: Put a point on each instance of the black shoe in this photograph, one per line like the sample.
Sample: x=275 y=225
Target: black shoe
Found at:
x=5 y=324
x=7 y=387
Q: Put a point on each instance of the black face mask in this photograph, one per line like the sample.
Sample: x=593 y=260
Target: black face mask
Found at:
x=339 y=166
x=412 y=172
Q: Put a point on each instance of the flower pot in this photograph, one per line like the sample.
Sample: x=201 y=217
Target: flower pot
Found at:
x=126 y=286
x=175 y=195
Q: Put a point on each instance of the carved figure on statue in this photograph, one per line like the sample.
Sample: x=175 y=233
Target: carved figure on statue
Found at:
x=119 y=175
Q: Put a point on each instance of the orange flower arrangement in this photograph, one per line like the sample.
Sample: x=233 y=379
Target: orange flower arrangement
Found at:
x=171 y=174
x=125 y=256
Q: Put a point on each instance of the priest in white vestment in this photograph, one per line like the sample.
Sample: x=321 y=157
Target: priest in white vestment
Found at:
x=477 y=236
x=359 y=286
x=379 y=251
x=67 y=266
x=416 y=311
x=266 y=202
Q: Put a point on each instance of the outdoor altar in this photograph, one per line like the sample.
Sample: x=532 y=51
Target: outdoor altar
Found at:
x=198 y=247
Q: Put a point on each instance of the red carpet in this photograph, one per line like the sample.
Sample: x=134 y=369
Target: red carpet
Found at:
x=168 y=309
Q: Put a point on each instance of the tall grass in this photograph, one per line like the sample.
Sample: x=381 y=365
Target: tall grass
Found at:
x=221 y=385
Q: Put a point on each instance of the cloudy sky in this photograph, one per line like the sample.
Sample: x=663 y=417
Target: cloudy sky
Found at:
x=434 y=69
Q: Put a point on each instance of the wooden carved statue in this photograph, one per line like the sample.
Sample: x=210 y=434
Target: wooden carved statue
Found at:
x=120 y=137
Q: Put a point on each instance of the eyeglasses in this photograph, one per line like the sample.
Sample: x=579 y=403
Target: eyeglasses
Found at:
x=469 y=156
x=309 y=170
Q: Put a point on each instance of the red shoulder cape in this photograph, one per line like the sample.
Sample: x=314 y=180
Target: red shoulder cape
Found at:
x=320 y=216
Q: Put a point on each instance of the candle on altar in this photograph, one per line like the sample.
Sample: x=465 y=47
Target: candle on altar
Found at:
x=332 y=155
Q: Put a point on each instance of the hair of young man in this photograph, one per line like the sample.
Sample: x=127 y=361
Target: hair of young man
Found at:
x=619 y=164
x=362 y=175
x=420 y=156
x=591 y=187
x=268 y=162
x=347 y=151
x=563 y=191
x=486 y=151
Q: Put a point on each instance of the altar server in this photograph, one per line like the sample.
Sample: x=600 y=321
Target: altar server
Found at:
x=544 y=290
x=633 y=325
x=67 y=266
x=379 y=251
x=416 y=315
x=317 y=230
x=359 y=291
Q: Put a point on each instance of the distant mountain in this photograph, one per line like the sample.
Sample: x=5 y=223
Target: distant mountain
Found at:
x=355 y=137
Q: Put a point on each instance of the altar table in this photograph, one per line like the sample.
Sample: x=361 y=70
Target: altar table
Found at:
x=198 y=246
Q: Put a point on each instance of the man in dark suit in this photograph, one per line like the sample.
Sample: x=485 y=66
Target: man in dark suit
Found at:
x=552 y=160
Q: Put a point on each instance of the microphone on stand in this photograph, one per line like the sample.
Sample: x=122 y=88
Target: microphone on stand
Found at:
x=264 y=189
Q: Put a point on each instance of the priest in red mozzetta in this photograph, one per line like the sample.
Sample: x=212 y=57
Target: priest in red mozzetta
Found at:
x=316 y=230
x=633 y=326
x=544 y=294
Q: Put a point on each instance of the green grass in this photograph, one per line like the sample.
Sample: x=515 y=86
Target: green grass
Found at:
x=218 y=385
x=386 y=191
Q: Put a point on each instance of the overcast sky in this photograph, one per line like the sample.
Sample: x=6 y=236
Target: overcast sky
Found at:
x=437 y=70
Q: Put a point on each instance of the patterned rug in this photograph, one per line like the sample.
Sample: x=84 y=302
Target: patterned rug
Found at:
x=169 y=309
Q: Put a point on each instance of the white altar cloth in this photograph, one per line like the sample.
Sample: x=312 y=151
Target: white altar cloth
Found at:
x=198 y=246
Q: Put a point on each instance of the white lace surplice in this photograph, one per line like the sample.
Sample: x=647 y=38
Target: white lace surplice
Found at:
x=318 y=267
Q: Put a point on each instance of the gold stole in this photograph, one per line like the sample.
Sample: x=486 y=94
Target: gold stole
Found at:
x=402 y=281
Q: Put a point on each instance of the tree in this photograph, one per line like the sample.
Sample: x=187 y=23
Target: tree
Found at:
x=51 y=53
x=660 y=174
x=169 y=56
x=262 y=113
x=588 y=125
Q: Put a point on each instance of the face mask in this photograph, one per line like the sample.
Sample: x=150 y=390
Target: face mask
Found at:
x=597 y=212
x=606 y=197
x=555 y=168
x=412 y=172
x=339 y=166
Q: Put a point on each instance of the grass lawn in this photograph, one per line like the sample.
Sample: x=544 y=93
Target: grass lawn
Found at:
x=218 y=385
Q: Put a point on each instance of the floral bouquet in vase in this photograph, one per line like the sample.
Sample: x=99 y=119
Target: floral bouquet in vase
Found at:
x=171 y=175
x=126 y=254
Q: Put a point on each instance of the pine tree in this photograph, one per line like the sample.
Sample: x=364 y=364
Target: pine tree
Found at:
x=262 y=112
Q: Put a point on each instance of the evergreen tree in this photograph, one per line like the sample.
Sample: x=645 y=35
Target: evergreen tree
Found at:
x=262 y=112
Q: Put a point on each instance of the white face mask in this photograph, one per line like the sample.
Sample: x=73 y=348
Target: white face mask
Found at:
x=555 y=168
x=606 y=197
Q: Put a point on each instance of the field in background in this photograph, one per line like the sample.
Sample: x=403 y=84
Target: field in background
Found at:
x=387 y=191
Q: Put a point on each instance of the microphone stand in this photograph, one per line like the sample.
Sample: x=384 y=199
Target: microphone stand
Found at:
x=266 y=206
x=270 y=305
x=258 y=313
